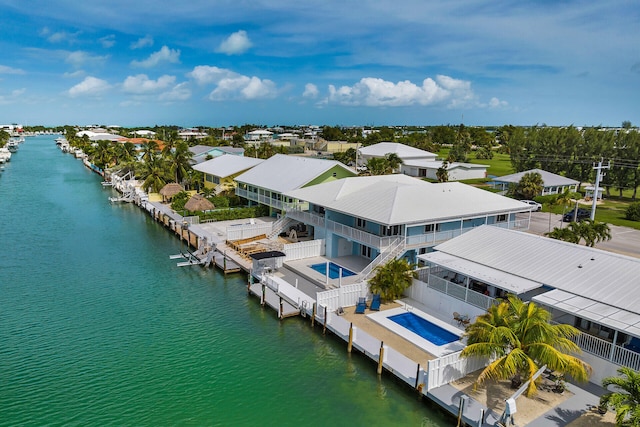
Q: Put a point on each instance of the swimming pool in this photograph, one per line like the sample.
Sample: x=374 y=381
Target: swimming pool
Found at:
x=427 y=330
x=334 y=270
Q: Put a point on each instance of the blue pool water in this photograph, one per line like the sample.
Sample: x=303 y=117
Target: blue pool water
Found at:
x=334 y=270
x=424 y=328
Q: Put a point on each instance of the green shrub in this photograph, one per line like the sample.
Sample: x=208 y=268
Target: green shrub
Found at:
x=633 y=212
x=179 y=200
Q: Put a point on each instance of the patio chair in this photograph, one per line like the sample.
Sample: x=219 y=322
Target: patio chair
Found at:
x=375 y=303
x=361 y=305
x=457 y=317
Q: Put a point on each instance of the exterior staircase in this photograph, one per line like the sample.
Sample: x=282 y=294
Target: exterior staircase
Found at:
x=395 y=249
x=280 y=225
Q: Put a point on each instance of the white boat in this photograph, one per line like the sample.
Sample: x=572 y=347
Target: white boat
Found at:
x=60 y=140
x=12 y=145
x=5 y=155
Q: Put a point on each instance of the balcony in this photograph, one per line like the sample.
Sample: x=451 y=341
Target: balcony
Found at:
x=255 y=197
x=360 y=236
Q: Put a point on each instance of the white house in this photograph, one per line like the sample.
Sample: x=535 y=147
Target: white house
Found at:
x=456 y=171
x=404 y=152
x=595 y=291
x=552 y=183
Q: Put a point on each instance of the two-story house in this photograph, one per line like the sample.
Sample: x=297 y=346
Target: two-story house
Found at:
x=220 y=172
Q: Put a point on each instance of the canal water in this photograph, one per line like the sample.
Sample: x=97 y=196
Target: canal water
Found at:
x=99 y=327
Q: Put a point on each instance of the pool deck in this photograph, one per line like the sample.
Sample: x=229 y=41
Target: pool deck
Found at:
x=382 y=318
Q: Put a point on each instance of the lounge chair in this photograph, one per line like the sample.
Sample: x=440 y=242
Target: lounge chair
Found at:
x=375 y=303
x=457 y=317
x=361 y=306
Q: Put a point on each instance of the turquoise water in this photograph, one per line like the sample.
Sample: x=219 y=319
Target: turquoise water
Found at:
x=334 y=270
x=98 y=327
x=427 y=330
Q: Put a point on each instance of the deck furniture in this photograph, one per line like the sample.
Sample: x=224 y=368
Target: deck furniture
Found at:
x=375 y=302
x=361 y=305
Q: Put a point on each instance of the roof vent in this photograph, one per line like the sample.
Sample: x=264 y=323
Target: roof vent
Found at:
x=580 y=266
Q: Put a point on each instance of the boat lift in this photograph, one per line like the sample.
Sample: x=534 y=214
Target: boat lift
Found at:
x=189 y=257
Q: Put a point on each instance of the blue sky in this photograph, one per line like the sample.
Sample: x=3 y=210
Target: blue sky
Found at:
x=285 y=62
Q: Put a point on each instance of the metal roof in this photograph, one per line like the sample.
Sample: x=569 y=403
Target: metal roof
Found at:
x=592 y=310
x=549 y=179
x=400 y=199
x=502 y=279
x=403 y=151
x=282 y=173
x=436 y=164
x=606 y=277
x=227 y=165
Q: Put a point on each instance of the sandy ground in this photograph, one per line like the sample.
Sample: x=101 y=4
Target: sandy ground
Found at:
x=593 y=418
x=394 y=341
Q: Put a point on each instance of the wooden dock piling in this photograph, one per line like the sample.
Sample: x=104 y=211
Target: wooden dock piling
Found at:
x=381 y=358
x=350 y=344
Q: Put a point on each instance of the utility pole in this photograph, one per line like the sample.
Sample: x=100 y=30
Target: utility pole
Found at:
x=596 y=188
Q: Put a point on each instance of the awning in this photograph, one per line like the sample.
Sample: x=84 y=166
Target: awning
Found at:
x=489 y=275
x=595 y=311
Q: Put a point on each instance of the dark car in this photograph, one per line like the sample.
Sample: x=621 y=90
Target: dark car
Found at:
x=571 y=215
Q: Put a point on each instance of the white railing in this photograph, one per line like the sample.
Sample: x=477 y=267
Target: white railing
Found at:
x=390 y=252
x=306 y=217
x=451 y=367
x=245 y=231
x=603 y=349
x=344 y=296
x=300 y=250
x=361 y=236
x=454 y=290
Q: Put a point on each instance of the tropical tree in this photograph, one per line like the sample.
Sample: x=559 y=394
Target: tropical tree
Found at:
x=592 y=232
x=443 y=172
x=179 y=161
x=530 y=185
x=377 y=165
x=102 y=153
x=520 y=339
x=393 y=162
x=155 y=174
x=392 y=278
x=149 y=150
x=625 y=400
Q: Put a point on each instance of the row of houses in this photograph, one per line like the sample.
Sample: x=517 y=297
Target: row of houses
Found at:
x=471 y=244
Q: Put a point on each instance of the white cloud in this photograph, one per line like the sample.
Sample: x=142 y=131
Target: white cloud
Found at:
x=75 y=74
x=10 y=70
x=496 y=103
x=89 y=86
x=79 y=58
x=179 y=92
x=60 y=36
x=204 y=74
x=163 y=55
x=375 y=92
x=142 y=84
x=243 y=87
x=14 y=96
x=142 y=42
x=310 y=91
x=237 y=43
x=108 y=41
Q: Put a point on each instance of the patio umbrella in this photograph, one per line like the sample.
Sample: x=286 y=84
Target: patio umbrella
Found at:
x=168 y=191
x=198 y=203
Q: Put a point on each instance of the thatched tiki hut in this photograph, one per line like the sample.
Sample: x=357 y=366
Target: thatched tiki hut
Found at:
x=198 y=203
x=168 y=191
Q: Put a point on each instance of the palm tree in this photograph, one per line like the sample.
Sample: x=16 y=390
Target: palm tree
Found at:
x=393 y=162
x=443 y=172
x=102 y=153
x=149 y=150
x=154 y=173
x=179 y=161
x=591 y=232
x=520 y=339
x=626 y=399
x=530 y=185
x=377 y=166
x=392 y=278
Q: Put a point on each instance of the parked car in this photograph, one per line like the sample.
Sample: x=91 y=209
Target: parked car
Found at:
x=582 y=214
x=537 y=206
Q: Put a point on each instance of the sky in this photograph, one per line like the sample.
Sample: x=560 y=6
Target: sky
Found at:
x=319 y=62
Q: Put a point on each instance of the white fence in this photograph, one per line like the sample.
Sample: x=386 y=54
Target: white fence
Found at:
x=450 y=368
x=300 y=250
x=245 y=231
x=343 y=296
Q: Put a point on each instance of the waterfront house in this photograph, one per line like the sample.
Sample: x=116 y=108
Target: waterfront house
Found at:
x=593 y=290
x=267 y=182
x=220 y=172
x=551 y=183
x=202 y=153
x=404 y=152
x=380 y=217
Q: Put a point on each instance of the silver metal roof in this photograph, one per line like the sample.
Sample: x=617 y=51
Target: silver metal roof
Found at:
x=400 y=199
x=594 y=311
x=401 y=150
x=227 y=165
x=283 y=173
x=606 y=277
x=549 y=179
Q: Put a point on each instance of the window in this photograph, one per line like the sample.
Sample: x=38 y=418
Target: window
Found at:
x=392 y=230
x=501 y=218
x=365 y=251
x=361 y=223
x=430 y=228
x=334 y=174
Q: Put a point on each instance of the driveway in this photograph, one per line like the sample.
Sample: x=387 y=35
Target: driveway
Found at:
x=624 y=240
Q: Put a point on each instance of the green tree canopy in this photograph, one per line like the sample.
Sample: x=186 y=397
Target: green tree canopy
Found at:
x=530 y=185
x=625 y=399
x=591 y=232
x=391 y=279
x=520 y=339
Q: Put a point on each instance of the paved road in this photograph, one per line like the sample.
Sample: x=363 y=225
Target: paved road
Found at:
x=624 y=240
